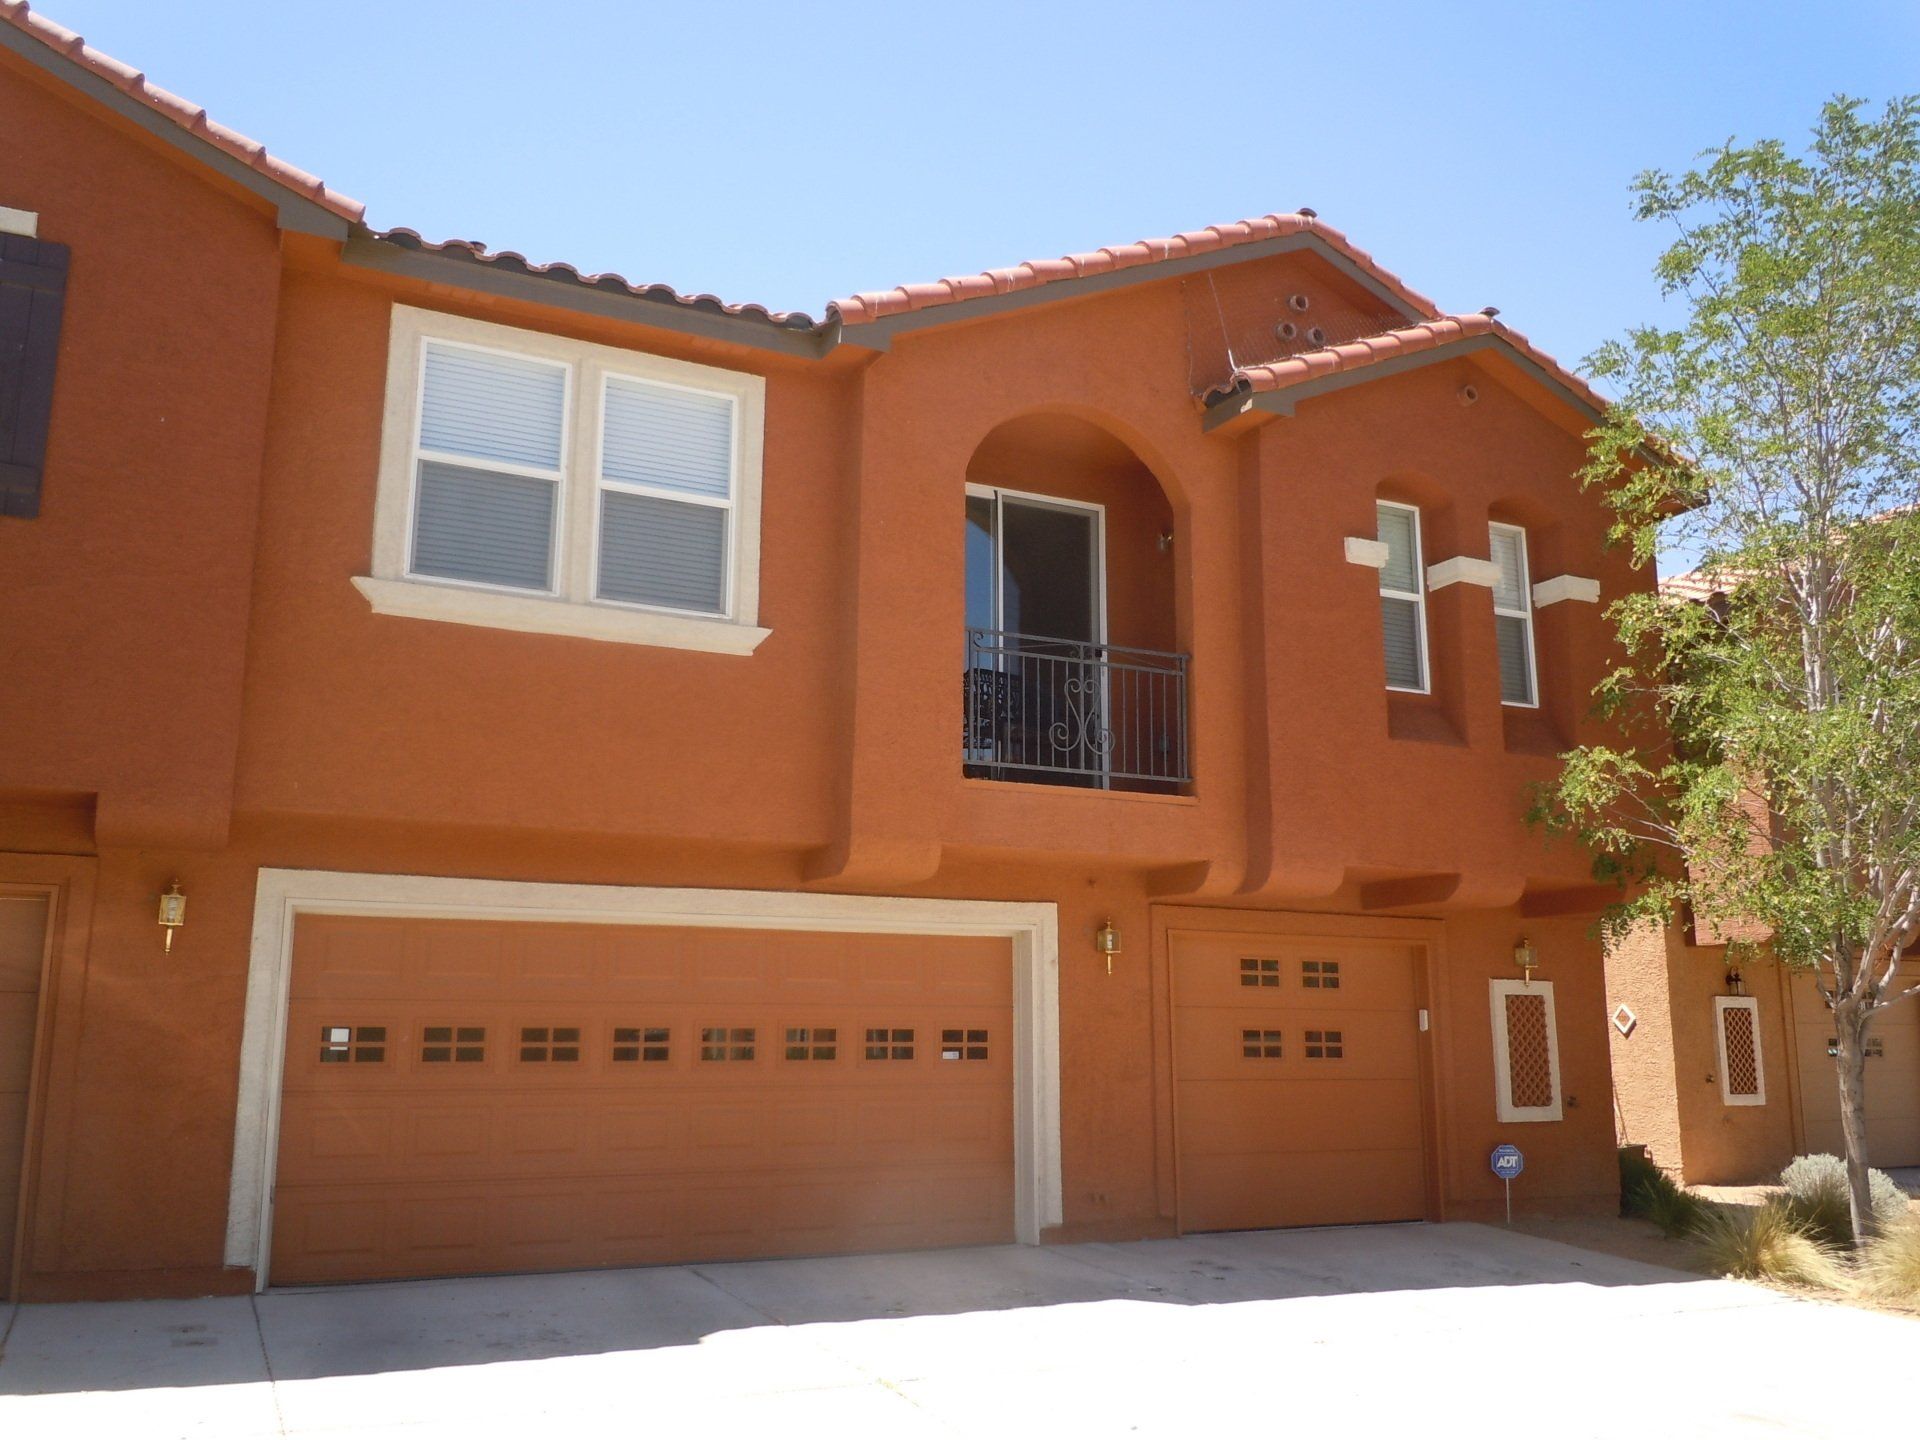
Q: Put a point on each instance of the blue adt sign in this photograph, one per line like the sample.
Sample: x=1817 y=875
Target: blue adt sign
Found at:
x=1507 y=1161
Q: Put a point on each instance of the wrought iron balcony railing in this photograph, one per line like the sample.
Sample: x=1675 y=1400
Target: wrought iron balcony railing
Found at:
x=1074 y=712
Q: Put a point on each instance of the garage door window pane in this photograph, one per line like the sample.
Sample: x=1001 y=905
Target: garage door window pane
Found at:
x=726 y=1043
x=1260 y=1044
x=813 y=1043
x=353 y=1044
x=546 y=1044
x=460 y=1044
x=889 y=1044
x=639 y=1044
x=1325 y=1045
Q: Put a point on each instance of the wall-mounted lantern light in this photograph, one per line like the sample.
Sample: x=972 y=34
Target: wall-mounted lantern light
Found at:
x=1106 y=940
x=1526 y=957
x=173 y=913
x=1736 y=982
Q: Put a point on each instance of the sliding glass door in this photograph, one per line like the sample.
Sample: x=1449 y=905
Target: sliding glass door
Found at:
x=1036 y=625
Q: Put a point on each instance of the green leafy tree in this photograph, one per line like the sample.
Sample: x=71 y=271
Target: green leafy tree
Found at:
x=1766 y=755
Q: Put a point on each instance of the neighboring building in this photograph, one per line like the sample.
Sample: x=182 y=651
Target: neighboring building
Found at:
x=1034 y=756
x=1722 y=1068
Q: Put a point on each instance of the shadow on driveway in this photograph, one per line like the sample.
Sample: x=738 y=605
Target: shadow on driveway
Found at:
x=434 y=1324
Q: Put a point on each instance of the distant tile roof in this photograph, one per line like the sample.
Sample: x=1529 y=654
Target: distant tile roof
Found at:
x=516 y=263
x=1696 y=585
x=184 y=113
x=1408 y=340
x=871 y=305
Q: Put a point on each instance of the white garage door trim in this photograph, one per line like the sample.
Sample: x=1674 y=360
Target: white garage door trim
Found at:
x=1033 y=927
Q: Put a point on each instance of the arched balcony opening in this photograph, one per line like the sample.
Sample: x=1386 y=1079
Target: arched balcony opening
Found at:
x=1072 y=675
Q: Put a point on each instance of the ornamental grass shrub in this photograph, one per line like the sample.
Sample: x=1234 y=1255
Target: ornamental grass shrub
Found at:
x=1816 y=1196
x=1647 y=1192
x=1767 y=1242
x=1889 y=1268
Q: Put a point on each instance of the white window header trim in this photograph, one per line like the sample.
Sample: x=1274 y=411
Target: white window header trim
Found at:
x=1566 y=587
x=1371 y=553
x=1462 y=570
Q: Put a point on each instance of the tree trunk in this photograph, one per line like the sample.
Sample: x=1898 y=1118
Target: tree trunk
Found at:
x=1850 y=1024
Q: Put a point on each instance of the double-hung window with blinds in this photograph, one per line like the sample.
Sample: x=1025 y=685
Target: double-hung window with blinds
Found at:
x=1403 y=606
x=1513 y=616
x=538 y=475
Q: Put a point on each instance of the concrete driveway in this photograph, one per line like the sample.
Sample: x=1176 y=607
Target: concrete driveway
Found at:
x=1372 y=1331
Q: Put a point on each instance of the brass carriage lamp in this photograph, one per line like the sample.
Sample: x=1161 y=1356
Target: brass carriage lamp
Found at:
x=1526 y=957
x=173 y=913
x=1106 y=941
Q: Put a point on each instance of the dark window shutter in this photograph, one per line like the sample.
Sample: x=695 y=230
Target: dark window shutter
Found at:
x=33 y=286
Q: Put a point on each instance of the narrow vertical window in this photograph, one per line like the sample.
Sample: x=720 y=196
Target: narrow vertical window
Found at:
x=488 y=467
x=1513 y=615
x=1403 y=605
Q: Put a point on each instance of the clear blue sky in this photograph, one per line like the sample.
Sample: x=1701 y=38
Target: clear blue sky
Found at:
x=788 y=153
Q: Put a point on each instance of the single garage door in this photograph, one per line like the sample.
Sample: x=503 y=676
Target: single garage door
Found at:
x=475 y=1096
x=1893 y=1076
x=1297 y=1082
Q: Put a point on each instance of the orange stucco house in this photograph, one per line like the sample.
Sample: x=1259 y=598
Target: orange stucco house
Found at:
x=1039 y=755
x=1723 y=1056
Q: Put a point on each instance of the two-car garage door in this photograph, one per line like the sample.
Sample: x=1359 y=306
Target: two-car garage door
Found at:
x=468 y=1096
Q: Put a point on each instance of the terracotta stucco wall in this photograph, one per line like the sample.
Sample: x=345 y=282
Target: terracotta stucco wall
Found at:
x=125 y=602
x=1667 y=1072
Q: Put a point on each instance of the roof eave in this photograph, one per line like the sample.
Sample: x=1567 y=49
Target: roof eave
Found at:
x=292 y=210
x=467 y=272
x=1244 y=403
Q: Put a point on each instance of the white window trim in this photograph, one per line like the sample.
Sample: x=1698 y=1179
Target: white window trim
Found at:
x=1524 y=614
x=1722 y=1004
x=1504 y=1108
x=1419 y=597
x=570 y=608
x=282 y=896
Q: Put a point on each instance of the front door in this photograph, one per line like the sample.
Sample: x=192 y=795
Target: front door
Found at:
x=1036 y=625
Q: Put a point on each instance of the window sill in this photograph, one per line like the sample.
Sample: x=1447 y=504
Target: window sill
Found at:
x=531 y=614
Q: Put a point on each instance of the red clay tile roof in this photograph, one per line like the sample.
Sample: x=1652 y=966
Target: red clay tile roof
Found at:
x=1410 y=340
x=513 y=261
x=867 y=306
x=873 y=305
x=1696 y=585
x=184 y=113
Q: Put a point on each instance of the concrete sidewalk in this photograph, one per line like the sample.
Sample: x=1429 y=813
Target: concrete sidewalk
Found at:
x=1434 y=1328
